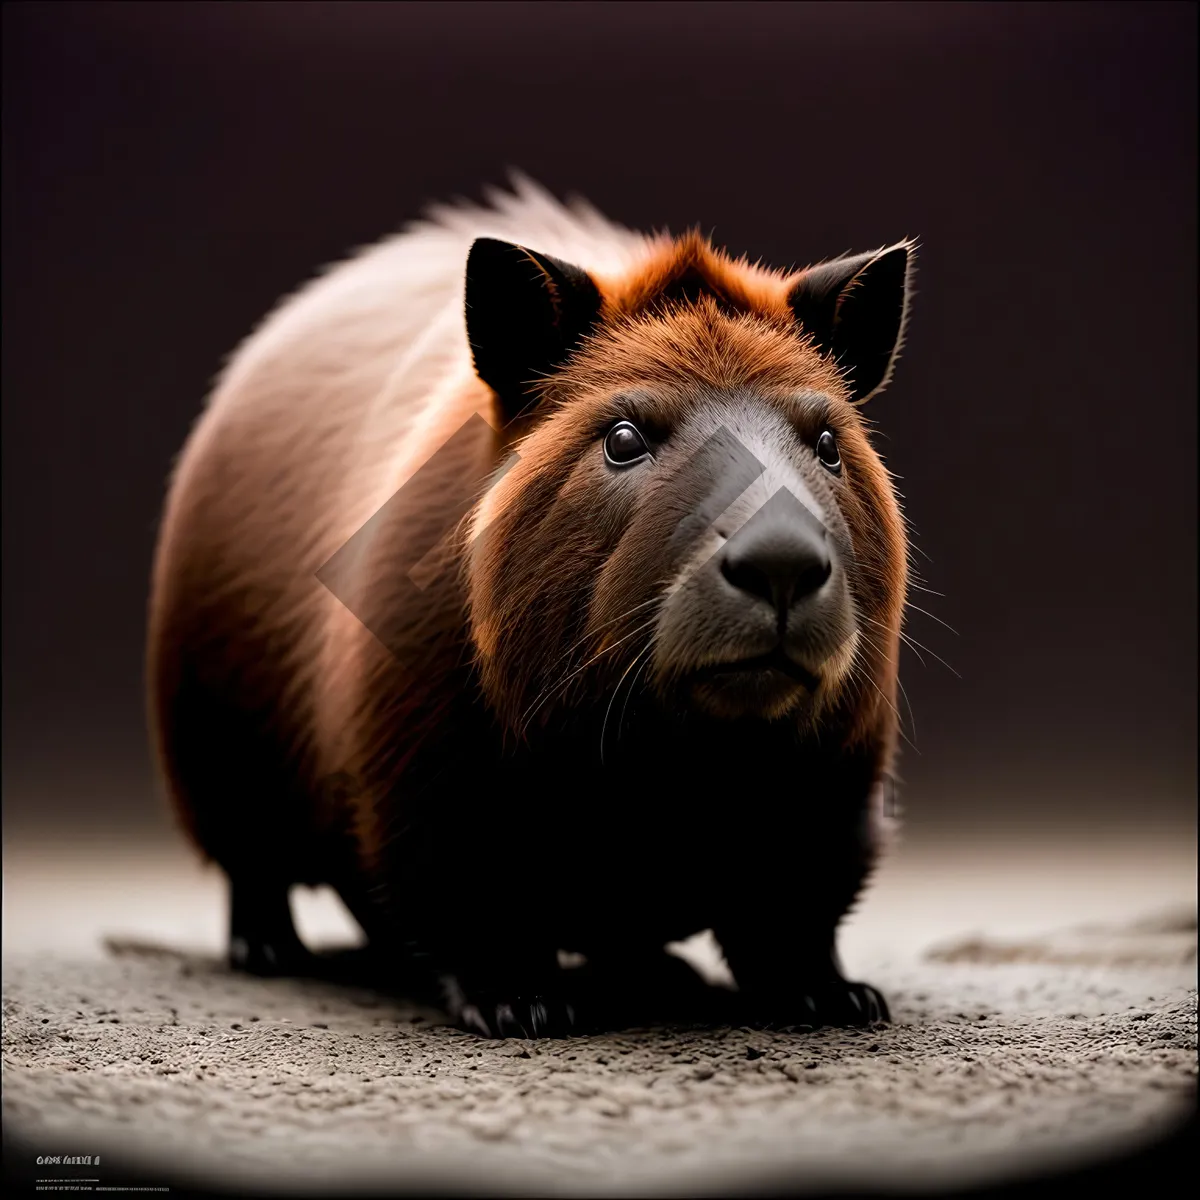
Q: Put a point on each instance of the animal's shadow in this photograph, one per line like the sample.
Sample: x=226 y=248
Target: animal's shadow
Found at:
x=663 y=990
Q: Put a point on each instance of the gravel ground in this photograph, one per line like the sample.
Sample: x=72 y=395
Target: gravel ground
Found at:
x=1006 y=1053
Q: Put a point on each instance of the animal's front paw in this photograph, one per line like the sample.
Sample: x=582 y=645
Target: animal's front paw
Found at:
x=516 y=1013
x=836 y=1003
x=271 y=957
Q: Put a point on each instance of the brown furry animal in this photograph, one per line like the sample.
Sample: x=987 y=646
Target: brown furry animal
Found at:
x=572 y=626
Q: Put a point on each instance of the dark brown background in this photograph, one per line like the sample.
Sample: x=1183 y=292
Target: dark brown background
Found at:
x=171 y=170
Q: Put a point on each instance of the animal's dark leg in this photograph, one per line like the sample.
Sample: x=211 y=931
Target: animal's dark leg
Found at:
x=790 y=982
x=505 y=989
x=624 y=984
x=262 y=937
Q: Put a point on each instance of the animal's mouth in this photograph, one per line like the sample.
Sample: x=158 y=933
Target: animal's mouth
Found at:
x=761 y=665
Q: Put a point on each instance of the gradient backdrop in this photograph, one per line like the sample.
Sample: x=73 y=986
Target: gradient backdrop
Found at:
x=171 y=170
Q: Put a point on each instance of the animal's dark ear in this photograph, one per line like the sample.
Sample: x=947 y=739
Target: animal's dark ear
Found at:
x=525 y=313
x=855 y=308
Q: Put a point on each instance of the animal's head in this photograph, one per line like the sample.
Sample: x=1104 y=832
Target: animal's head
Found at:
x=697 y=515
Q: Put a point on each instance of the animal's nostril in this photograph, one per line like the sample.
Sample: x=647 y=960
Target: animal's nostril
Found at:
x=812 y=577
x=746 y=575
x=782 y=564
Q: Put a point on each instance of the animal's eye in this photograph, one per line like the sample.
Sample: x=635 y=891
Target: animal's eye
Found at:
x=623 y=445
x=827 y=451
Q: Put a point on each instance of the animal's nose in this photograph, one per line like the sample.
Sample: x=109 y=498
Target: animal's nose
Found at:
x=780 y=561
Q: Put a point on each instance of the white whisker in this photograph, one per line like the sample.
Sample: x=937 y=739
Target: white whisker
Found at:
x=616 y=692
x=549 y=691
x=926 y=612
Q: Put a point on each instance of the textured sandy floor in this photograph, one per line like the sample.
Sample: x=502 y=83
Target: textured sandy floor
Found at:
x=1019 y=1041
